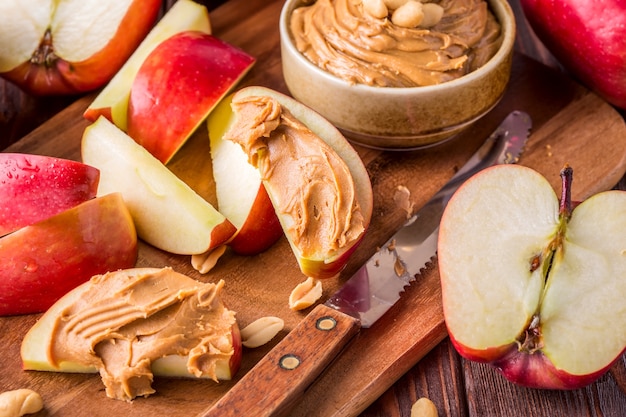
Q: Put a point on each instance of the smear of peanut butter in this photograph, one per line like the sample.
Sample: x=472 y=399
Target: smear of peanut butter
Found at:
x=312 y=185
x=122 y=323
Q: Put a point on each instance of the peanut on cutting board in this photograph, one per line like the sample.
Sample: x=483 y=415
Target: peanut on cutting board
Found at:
x=424 y=408
x=305 y=294
x=19 y=402
x=261 y=331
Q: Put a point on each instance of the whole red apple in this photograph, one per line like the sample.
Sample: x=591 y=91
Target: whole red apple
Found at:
x=68 y=47
x=588 y=38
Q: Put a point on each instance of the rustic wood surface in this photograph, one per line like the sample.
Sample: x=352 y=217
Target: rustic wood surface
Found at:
x=404 y=356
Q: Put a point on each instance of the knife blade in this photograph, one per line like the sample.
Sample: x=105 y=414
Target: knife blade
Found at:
x=273 y=385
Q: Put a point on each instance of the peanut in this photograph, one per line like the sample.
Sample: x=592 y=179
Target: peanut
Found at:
x=424 y=408
x=305 y=294
x=432 y=14
x=18 y=402
x=394 y=4
x=409 y=15
x=375 y=8
x=261 y=331
x=204 y=262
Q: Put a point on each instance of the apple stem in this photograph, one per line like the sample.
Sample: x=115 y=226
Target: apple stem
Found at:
x=567 y=177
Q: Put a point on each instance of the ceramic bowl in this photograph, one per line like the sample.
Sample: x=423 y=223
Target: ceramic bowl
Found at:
x=399 y=118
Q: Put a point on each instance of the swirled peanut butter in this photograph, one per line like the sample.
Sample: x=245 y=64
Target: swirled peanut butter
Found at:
x=313 y=185
x=123 y=322
x=344 y=39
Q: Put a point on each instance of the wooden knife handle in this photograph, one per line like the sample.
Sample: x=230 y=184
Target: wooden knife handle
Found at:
x=272 y=386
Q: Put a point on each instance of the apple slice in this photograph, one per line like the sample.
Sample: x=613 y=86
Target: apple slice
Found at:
x=43 y=261
x=142 y=297
x=177 y=86
x=35 y=187
x=112 y=101
x=241 y=195
x=322 y=257
x=533 y=286
x=168 y=214
x=72 y=46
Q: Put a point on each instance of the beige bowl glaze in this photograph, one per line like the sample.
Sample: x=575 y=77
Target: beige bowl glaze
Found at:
x=399 y=118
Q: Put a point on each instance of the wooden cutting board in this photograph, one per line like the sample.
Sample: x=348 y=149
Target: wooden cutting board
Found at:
x=571 y=125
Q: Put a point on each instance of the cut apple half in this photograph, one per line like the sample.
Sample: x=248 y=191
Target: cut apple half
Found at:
x=35 y=187
x=73 y=46
x=43 y=348
x=319 y=256
x=241 y=195
x=531 y=284
x=168 y=214
x=112 y=101
x=42 y=262
x=177 y=86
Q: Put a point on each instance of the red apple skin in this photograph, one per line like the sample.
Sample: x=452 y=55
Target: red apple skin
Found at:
x=59 y=77
x=530 y=370
x=177 y=86
x=261 y=229
x=35 y=187
x=41 y=262
x=235 y=360
x=589 y=40
x=326 y=270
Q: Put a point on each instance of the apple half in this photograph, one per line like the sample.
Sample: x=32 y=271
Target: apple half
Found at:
x=42 y=262
x=35 y=187
x=241 y=195
x=178 y=85
x=168 y=214
x=68 y=47
x=36 y=351
x=322 y=262
x=531 y=284
x=112 y=101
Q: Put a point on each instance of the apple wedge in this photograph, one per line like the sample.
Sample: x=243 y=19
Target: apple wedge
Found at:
x=168 y=214
x=324 y=207
x=241 y=195
x=35 y=187
x=177 y=86
x=73 y=46
x=135 y=317
x=112 y=101
x=43 y=261
x=531 y=284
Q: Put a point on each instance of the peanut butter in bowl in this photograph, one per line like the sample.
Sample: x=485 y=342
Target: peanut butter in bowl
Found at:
x=398 y=74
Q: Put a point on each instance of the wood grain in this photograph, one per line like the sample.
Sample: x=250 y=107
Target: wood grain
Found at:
x=570 y=125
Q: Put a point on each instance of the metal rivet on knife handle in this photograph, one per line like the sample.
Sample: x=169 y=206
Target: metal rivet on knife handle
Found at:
x=273 y=385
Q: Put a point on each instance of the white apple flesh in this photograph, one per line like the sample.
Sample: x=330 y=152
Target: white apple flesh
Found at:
x=530 y=284
x=168 y=214
x=241 y=195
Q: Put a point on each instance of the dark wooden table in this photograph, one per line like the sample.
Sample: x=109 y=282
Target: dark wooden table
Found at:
x=456 y=386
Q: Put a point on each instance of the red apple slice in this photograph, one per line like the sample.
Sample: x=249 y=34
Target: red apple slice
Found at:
x=43 y=261
x=241 y=195
x=36 y=187
x=532 y=286
x=177 y=86
x=112 y=101
x=323 y=261
x=168 y=214
x=73 y=46
x=181 y=358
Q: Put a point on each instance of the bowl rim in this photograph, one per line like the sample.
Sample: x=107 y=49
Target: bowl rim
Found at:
x=500 y=8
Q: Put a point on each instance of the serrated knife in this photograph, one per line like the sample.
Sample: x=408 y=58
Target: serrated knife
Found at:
x=275 y=383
